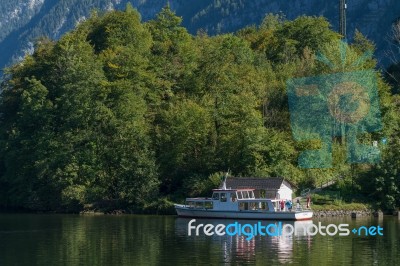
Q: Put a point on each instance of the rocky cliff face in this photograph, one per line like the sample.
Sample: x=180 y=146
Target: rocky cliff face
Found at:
x=22 y=21
x=16 y=14
x=372 y=17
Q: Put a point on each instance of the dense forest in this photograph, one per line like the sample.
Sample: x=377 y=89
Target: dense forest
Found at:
x=124 y=114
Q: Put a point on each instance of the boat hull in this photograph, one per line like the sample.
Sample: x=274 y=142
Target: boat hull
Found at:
x=184 y=211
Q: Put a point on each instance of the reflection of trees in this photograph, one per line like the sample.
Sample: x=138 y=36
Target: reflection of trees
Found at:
x=160 y=240
x=236 y=249
x=105 y=240
x=97 y=240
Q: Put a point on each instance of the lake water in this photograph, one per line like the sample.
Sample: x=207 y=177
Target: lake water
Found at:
x=163 y=240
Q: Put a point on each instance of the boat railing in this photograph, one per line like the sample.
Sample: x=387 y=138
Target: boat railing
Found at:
x=199 y=203
x=262 y=205
x=199 y=199
x=253 y=200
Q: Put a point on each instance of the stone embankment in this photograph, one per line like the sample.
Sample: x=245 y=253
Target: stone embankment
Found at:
x=343 y=213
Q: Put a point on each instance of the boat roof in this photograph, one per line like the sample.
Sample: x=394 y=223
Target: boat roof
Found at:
x=258 y=182
x=236 y=189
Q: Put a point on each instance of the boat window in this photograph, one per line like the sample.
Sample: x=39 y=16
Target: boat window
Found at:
x=223 y=197
x=208 y=205
x=251 y=194
x=239 y=195
x=243 y=206
x=191 y=204
x=233 y=197
x=215 y=196
x=200 y=205
x=245 y=195
x=263 y=206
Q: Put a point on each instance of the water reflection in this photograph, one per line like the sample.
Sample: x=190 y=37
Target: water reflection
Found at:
x=163 y=240
x=238 y=248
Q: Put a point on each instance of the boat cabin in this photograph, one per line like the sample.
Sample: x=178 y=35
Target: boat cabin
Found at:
x=224 y=194
x=271 y=188
x=231 y=200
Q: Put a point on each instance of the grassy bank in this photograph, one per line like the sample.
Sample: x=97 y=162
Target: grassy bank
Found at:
x=327 y=202
x=342 y=206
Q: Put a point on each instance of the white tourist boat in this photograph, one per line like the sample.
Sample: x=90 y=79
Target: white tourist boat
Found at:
x=239 y=204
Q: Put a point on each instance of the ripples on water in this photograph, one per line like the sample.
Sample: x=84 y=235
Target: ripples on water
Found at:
x=164 y=240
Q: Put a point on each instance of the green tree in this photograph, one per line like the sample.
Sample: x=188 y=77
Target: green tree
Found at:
x=383 y=182
x=294 y=36
x=174 y=54
x=75 y=131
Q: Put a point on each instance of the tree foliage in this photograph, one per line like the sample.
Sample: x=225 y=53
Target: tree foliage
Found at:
x=120 y=112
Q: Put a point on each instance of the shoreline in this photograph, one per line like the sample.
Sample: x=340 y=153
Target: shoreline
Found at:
x=317 y=213
x=343 y=213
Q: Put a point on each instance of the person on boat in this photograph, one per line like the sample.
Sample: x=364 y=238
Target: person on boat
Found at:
x=308 y=201
x=298 y=204
x=282 y=205
x=288 y=205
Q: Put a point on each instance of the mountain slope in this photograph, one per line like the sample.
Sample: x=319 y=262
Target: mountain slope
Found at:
x=23 y=21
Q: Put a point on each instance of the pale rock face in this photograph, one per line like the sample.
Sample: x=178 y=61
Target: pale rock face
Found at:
x=33 y=3
x=15 y=13
x=59 y=27
x=81 y=19
x=20 y=10
x=110 y=7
